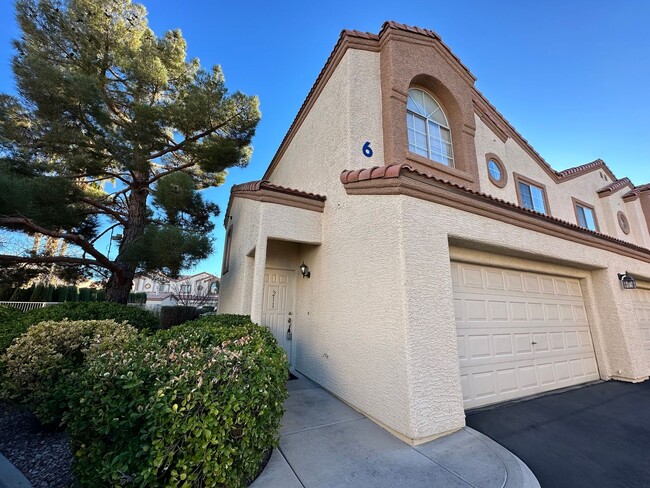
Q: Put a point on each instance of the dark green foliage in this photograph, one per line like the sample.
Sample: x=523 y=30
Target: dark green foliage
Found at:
x=176 y=315
x=102 y=98
x=22 y=294
x=73 y=294
x=196 y=405
x=84 y=294
x=139 y=298
x=137 y=317
x=6 y=291
x=11 y=326
x=38 y=294
x=41 y=366
x=60 y=294
x=48 y=293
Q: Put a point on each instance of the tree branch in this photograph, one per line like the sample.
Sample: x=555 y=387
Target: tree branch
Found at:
x=170 y=171
x=117 y=215
x=194 y=138
x=8 y=259
x=74 y=238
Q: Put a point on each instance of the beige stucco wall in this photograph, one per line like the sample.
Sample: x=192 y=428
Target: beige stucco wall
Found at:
x=584 y=188
x=375 y=322
x=253 y=224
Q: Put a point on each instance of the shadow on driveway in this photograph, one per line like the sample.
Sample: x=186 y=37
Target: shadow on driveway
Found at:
x=595 y=436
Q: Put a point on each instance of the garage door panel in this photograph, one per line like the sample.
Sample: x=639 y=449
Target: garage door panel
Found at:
x=519 y=333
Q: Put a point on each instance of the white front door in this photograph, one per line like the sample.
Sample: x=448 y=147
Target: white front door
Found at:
x=519 y=333
x=277 y=311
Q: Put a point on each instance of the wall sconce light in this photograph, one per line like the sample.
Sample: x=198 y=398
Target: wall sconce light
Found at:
x=304 y=269
x=627 y=281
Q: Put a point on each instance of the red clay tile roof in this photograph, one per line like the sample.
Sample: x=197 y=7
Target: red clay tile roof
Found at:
x=253 y=186
x=425 y=32
x=586 y=168
x=614 y=186
x=634 y=192
x=396 y=170
x=265 y=185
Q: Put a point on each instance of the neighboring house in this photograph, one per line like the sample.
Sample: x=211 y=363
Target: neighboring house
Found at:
x=450 y=268
x=199 y=289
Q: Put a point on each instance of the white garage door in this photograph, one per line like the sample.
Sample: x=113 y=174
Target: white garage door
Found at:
x=641 y=299
x=519 y=333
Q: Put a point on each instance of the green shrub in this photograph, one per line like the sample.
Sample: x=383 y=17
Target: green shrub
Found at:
x=11 y=326
x=84 y=294
x=73 y=294
x=139 y=297
x=41 y=365
x=196 y=405
x=22 y=294
x=137 y=317
x=176 y=315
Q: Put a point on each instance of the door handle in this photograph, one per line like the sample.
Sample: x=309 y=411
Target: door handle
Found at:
x=533 y=343
x=289 y=313
x=289 y=320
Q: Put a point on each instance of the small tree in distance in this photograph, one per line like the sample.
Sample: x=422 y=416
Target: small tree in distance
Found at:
x=194 y=294
x=114 y=130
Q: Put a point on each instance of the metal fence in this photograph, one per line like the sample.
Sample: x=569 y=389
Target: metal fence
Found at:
x=27 y=306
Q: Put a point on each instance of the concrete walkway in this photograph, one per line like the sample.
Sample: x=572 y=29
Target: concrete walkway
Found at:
x=326 y=444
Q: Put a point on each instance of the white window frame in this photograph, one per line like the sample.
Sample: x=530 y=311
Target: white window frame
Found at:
x=447 y=159
x=537 y=193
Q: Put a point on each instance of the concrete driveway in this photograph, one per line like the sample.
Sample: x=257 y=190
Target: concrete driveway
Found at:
x=594 y=436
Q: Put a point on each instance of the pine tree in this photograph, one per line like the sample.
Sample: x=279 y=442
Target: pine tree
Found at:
x=114 y=130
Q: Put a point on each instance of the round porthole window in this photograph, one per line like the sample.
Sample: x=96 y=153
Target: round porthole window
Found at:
x=623 y=222
x=496 y=170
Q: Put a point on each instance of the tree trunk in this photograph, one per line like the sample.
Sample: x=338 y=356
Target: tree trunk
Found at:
x=120 y=283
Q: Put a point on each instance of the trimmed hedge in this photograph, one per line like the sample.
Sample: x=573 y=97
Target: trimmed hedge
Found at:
x=11 y=326
x=137 y=317
x=196 y=405
x=41 y=365
x=176 y=315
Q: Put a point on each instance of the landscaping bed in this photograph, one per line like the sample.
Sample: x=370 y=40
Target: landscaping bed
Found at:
x=196 y=405
x=44 y=457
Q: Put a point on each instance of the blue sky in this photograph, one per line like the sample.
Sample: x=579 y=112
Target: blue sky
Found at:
x=572 y=77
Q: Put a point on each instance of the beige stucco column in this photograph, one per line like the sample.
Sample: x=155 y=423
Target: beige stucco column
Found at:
x=259 y=268
x=436 y=403
x=618 y=327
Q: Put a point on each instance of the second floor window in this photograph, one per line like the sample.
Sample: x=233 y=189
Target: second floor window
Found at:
x=586 y=217
x=428 y=129
x=532 y=197
x=186 y=288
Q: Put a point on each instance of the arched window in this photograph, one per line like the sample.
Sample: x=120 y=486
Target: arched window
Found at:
x=428 y=129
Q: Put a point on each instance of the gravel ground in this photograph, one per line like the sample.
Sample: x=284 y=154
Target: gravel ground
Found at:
x=43 y=457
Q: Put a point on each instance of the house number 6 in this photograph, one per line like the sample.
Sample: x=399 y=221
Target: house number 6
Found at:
x=367 y=150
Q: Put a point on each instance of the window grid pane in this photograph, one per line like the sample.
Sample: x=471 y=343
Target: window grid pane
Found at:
x=538 y=199
x=526 y=198
x=428 y=132
x=582 y=221
x=586 y=217
x=494 y=170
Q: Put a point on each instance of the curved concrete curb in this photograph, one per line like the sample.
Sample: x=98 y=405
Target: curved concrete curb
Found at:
x=10 y=476
x=518 y=475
